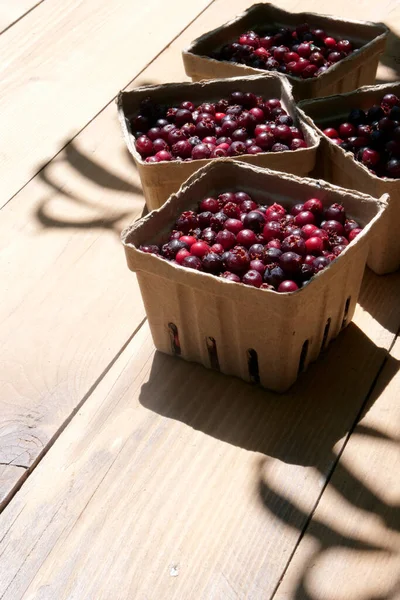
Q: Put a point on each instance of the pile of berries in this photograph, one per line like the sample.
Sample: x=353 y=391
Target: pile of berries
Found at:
x=265 y=246
x=243 y=123
x=373 y=136
x=301 y=52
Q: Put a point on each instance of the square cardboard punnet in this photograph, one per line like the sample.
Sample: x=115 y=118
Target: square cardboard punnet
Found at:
x=350 y=73
x=258 y=335
x=341 y=168
x=160 y=180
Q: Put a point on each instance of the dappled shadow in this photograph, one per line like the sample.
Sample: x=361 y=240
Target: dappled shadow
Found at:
x=383 y=303
x=106 y=217
x=346 y=492
x=300 y=427
x=391 y=56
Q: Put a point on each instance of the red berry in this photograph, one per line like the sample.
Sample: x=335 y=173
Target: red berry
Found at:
x=253 y=278
x=181 y=255
x=333 y=226
x=188 y=239
x=226 y=238
x=330 y=43
x=287 y=286
x=330 y=132
x=314 y=245
x=238 y=259
x=305 y=217
x=246 y=237
x=370 y=157
x=144 y=146
x=192 y=262
x=199 y=249
x=354 y=233
x=335 y=212
x=200 y=151
x=209 y=204
x=290 y=262
x=308 y=230
x=347 y=130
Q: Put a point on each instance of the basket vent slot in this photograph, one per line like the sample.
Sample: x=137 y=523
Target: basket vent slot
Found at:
x=303 y=356
x=252 y=362
x=174 y=337
x=212 y=353
x=346 y=312
x=326 y=333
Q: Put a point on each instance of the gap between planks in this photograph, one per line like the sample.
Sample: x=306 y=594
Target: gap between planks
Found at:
x=15 y=14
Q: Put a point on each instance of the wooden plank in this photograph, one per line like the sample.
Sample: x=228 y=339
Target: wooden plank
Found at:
x=11 y=12
x=159 y=482
x=354 y=535
x=64 y=62
x=61 y=233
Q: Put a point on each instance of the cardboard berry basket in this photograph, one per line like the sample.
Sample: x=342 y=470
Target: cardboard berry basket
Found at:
x=341 y=168
x=160 y=180
x=256 y=334
x=356 y=70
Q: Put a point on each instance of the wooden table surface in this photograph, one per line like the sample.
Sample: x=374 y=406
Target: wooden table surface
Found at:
x=127 y=474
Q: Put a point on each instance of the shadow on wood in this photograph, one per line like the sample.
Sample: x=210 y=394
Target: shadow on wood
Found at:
x=325 y=401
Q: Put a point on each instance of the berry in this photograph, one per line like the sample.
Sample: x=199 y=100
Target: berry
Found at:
x=181 y=255
x=290 y=262
x=233 y=225
x=253 y=278
x=257 y=265
x=314 y=245
x=201 y=151
x=271 y=256
x=294 y=243
x=272 y=230
x=246 y=237
x=230 y=276
x=182 y=149
x=305 y=217
x=149 y=249
x=226 y=238
x=209 y=204
x=332 y=226
x=354 y=233
x=287 y=286
x=320 y=263
x=347 y=130
x=370 y=157
x=231 y=210
x=238 y=259
x=393 y=168
x=192 y=262
x=212 y=263
x=314 y=205
x=296 y=209
x=144 y=146
x=199 y=249
x=254 y=220
x=274 y=275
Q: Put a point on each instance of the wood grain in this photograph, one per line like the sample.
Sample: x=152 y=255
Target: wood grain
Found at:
x=10 y=12
x=165 y=456
x=178 y=482
x=354 y=536
x=61 y=232
x=64 y=62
